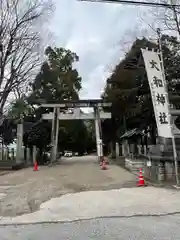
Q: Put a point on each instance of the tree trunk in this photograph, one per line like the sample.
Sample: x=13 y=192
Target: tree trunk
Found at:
x=153 y=134
x=113 y=149
x=31 y=155
x=40 y=156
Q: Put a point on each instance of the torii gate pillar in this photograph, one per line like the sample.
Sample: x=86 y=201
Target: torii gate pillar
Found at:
x=55 y=134
x=98 y=132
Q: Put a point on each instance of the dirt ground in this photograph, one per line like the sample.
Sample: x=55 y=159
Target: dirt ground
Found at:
x=23 y=191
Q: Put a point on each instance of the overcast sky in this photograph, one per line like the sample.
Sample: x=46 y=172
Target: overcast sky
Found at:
x=97 y=33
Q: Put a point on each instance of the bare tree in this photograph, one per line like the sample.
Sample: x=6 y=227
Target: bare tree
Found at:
x=166 y=18
x=20 y=41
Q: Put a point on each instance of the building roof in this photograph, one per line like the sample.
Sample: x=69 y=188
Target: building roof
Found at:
x=131 y=133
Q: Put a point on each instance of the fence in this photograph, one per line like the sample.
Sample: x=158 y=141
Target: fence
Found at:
x=7 y=154
x=8 y=158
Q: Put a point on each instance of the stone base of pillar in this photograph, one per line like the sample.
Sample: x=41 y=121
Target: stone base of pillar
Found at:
x=161 y=171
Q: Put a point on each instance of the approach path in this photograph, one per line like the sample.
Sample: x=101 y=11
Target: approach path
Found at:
x=23 y=191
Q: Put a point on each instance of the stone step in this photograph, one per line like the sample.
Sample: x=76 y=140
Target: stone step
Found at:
x=7 y=163
x=11 y=164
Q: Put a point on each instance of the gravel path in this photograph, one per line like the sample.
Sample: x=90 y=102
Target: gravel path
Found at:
x=23 y=191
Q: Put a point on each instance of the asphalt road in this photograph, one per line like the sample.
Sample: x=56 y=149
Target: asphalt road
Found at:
x=134 y=228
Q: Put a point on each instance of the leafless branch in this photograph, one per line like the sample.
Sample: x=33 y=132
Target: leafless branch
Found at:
x=20 y=41
x=167 y=18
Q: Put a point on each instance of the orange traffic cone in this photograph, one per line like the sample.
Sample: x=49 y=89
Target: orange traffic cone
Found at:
x=35 y=166
x=103 y=167
x=141 y=181
x=103 y=159
x=106 y=160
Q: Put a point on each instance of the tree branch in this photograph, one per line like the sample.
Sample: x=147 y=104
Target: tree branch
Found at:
x=21 y=42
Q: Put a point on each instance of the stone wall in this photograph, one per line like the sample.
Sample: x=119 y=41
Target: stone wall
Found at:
x=134 y=165
x=154 y=169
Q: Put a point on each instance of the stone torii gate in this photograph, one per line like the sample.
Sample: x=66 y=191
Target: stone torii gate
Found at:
x=56 y=115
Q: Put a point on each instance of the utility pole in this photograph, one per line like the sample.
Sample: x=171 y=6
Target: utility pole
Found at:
x=164 y=78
